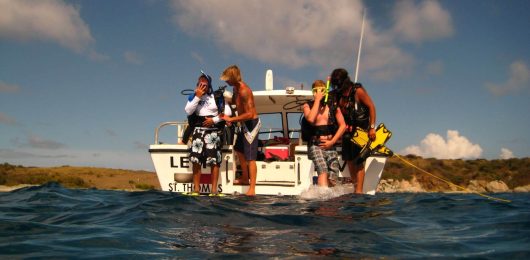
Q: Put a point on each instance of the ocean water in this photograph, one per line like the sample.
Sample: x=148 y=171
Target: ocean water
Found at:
x=54 y=222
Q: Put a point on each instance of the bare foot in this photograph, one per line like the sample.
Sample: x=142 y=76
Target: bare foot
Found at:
x=251 y=192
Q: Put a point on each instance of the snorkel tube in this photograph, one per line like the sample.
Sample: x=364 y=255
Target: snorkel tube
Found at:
x=327 y=90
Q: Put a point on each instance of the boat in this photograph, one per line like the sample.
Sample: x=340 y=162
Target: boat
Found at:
x=283 y=167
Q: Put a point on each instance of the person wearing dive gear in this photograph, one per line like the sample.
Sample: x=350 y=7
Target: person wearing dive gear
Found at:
x=207 y=131
x=320 y=146
x=359 y=111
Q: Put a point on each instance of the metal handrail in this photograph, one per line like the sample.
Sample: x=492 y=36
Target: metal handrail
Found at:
x=178 y=124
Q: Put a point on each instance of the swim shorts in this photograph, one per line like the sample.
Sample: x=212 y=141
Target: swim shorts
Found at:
x=325 y=161
x=250 y=150
x=350 y=150
x=206 y=146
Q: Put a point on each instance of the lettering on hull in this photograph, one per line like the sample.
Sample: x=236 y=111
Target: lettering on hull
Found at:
x=188 y=187
x=182 y=162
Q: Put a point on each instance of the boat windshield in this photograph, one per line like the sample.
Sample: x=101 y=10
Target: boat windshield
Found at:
x=293 y=124
x=271 y=126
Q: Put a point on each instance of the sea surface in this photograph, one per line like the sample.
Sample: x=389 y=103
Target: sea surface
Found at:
x=50 y=221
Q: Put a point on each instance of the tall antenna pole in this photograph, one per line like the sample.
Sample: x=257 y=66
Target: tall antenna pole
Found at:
x=360 y=46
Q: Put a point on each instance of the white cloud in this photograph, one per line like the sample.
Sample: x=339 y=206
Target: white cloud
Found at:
x=518 y=81
x=455 y=147
x=8 y=88
x=426 y=21
x=506 y=153
x=51 y=20
x=133 y=57
x=294 y=33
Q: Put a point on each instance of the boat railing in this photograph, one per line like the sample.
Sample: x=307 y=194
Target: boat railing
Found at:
x=181 y=126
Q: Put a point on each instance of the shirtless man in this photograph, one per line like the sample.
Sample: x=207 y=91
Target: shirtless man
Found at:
x=320 y=147
x=246 y=146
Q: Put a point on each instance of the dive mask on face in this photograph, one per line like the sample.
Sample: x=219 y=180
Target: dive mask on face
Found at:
x=319 y=89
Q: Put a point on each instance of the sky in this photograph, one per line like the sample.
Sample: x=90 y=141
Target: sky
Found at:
x=86 y=82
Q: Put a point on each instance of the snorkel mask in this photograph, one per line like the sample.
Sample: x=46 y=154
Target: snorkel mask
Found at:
x=319 y=89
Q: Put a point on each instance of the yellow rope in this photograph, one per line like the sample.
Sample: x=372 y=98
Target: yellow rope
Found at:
x=450 y=183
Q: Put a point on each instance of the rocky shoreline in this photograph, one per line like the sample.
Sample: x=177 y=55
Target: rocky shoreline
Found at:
x=483 y=176
x=480 y=186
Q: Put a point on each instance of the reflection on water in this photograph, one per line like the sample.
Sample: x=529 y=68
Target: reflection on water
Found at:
x=53 y=222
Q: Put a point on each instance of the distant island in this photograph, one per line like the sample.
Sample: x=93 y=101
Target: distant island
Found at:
x=478 y=175
x=78 y=177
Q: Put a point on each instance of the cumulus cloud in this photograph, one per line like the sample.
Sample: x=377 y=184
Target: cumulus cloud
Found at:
x=506 y=153
x=293 y=33
x=50 y=20
x=518 y=81
x=426 y=21
x=8 y=88
x=133 y=57
x=287 y=32
x=455 y=147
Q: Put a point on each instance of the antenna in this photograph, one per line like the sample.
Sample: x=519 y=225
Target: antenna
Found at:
x=268 y=80
x=360 y=46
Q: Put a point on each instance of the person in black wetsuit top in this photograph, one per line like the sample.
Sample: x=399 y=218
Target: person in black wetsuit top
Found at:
x=359 y=111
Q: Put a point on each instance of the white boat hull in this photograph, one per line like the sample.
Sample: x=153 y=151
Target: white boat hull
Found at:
x=174 y=171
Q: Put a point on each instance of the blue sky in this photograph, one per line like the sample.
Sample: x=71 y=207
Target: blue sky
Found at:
x=86 y=82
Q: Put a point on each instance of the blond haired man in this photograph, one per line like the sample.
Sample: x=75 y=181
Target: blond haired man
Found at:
x=246 y=145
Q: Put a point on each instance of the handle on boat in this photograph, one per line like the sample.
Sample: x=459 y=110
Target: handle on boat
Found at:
x=175 y=123
x=226 y=168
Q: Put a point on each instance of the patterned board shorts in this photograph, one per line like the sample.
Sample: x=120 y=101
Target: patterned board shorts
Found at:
x=206 y=146
x=326 y=161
